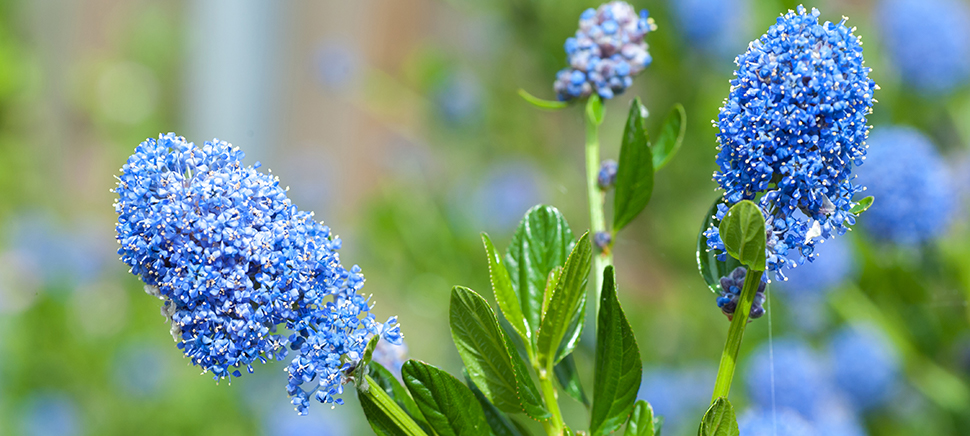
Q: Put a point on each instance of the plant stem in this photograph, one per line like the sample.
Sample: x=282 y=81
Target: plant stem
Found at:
x=388 y=405
x=729 y=358
x=597 y=220
x=552 y=425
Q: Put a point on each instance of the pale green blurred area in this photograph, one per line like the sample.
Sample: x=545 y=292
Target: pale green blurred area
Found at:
x=398 y=123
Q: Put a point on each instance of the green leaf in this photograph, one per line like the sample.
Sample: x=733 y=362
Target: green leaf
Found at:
x=398 y=393
x=658 y=425
x=671 y=137
x=634 y=176
x=449 y=406
x=365 y=360
x=712 y=269
x=862 y=205
x=504 y=293
x=541 y=103
x=641 y=420
x=567 y=302
x=594 y=110
x=618 y=365
x=540 y=244
x=568 y=378
x=497 y=420
x=384 y=415
x=743 y=233
x=719 y=420
x=481 y=345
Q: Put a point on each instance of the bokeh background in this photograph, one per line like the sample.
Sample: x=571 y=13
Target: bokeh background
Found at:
x=398 y=122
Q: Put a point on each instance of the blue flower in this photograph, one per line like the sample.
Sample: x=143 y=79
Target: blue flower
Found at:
x=607 y=52
x=791 y=129
x=928 y=41
x=679 y=395
x=606 y=177
x=391 y=356
x=913 y=191
x=865 y=365
x=234 y=261
x=787 y=422
x=831 y=268
x=51 y=414
x=731 y=287
x=713 y=26
x=800 y=381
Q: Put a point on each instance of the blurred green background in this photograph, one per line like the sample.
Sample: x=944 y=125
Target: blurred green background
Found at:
x=398 y=122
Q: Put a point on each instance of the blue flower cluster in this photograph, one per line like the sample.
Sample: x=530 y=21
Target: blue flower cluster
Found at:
x=731 y=292
x=911 y=183
x=791 y=129
x=607 y=52
x=928 y=42
x=865 y=365
x=858 y=372
x=234 y=260
x=606 y=177
x=831 y=268
x=716 y=27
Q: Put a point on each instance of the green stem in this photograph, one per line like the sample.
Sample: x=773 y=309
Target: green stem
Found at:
x=729 y=358
x=389 y=406
x=597 y=219
x=554 y=425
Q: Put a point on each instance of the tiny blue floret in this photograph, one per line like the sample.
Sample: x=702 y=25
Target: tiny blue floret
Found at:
x=236 y=263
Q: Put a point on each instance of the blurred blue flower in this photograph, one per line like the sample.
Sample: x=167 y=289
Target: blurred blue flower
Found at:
x=606 y=177
x=460 y=99
x=68 y=256
x=391 y=356
x=51 y=414
x=282 y=422
x=680 y=395
x=716 y=27
x=783 y=422
x=800 y=381
x=834 y=417
x=503 y=195
x=140 y=370
x=233 y=259
x=865 y=365
x=928 y=41
x=833 y=266
x=337 y=63
x=914 y=196
x=607 y=52
x=792 y=127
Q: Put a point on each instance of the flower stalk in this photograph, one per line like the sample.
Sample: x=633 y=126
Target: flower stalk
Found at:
x=729 y=357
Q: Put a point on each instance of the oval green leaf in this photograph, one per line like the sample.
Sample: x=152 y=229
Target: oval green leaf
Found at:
x=508 y=302
x=618 y=366
x=862 y=205
x=719 y=420
x=449 y=406
x=671 y=137
x=542 y=242
x=710 y=267
x=641 y=420
x=634 y=176
x=566 y=304
x=743 y=233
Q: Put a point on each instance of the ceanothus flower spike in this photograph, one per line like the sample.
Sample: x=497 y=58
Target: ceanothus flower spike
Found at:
x=234 y=261
x=607 y=52
x=791 y=130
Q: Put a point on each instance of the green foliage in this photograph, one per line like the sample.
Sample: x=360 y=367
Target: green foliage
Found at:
x=719 y=420
x=568 y=378
x=488 y=354
x=498 y=421
x=618 y=365
x=710 y=267
x=634 y=176
x=542 y=103
x=505 y=295
x=449 y=406
x=671 y=137
x=393 y=388
x=566 y=304
x=743 y=233
x=383 y=413
x=541 y=243
x=641 y=421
